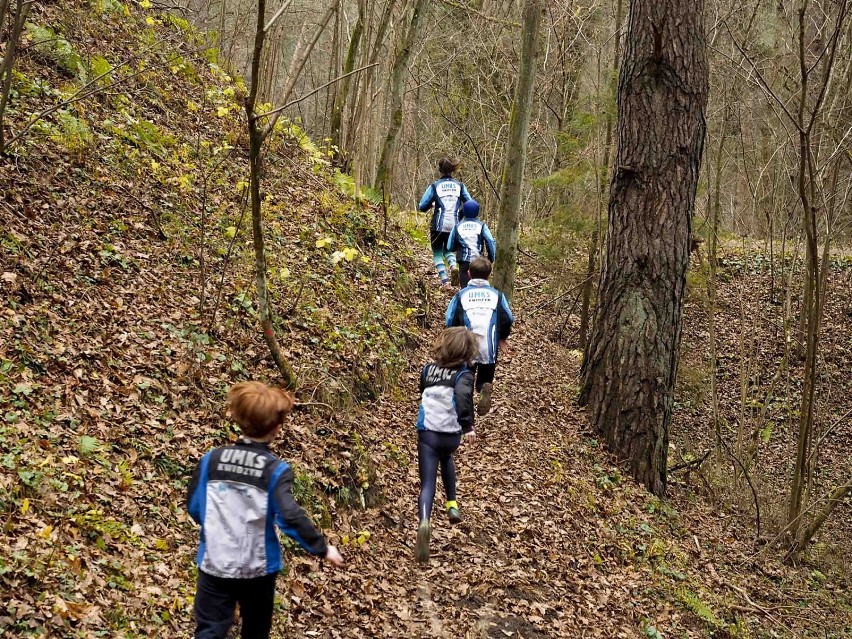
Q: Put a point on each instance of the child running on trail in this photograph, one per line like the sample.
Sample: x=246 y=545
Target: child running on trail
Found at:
x=446 y=195
x=469 y=239
x=485 y=311
x=238 y=493
x=446 y=413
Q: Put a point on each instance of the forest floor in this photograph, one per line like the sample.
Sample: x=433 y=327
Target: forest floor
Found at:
x=126 y=315
x=554 y=541
x=759 y=388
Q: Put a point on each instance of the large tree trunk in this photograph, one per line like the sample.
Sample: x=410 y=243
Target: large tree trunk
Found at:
x=630 y=370
x=516 y=152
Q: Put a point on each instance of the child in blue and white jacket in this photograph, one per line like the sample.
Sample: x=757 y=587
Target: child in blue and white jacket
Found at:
x=445 y=197
x=445 y=416
x=485 y=311
x=471 y=238
x=238 y=494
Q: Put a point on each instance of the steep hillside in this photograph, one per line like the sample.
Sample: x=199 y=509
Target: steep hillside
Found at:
x=128 y=310
x=759 y=390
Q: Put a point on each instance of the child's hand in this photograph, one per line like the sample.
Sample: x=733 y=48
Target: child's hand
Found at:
x=503 y=348
x=470 y=438
x=333 y=557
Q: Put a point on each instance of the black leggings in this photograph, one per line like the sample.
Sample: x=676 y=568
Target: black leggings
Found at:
x=464 y=275
x=433 y=449
x=217 y=597
x=484 y=374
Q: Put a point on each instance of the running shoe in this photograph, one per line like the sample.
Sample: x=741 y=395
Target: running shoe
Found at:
x=421 y=548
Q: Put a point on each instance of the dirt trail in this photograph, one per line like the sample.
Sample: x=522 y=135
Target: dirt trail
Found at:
x=555 y=542
x=518 y=565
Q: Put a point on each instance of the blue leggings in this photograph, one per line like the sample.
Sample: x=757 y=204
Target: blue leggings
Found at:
x=435 y=449
x=438 y=241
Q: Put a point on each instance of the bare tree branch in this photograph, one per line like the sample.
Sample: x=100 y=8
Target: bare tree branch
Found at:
x=277 y=15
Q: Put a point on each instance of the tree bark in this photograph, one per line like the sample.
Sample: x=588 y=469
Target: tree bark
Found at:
x=19 y=17
x=348 y=65
x=256 y=139
x=629 y=375
x=384 y=172
x=508 y=217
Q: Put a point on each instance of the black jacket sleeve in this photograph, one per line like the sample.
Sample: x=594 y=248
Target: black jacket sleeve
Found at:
x=292 y=519
x=463 y=394
x=190 y=491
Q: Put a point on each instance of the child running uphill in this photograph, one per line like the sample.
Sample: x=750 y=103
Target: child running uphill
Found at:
x=446 y=195
x=446 y=413
x=238 y=493
x=469 y=239
x=485 y=311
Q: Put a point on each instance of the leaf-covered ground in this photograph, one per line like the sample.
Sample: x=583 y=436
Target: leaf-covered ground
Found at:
x=760 y=388
x=128 y=311
x=555 y=541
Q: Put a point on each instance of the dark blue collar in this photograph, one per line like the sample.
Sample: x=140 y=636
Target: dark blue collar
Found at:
x=244 y=441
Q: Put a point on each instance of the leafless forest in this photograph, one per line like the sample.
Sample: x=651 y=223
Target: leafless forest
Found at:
x=670 y=186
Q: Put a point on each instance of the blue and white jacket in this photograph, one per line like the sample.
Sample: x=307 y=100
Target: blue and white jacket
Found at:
x=446 y=404
x=447 y=195
x=471 y=236
x=238 y=494
x=484 y=310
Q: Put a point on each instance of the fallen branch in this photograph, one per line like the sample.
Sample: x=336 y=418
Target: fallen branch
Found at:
x=755 y=607
x=693 y=462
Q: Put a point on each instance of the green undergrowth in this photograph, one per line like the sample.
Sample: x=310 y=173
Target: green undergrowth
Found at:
x=129 y=309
